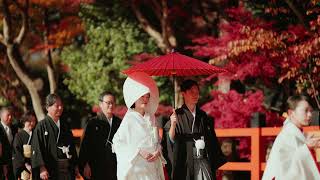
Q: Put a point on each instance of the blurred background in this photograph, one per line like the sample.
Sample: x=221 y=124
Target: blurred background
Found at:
x=78 y=48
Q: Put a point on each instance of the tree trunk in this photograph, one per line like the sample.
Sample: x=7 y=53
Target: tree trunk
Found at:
x=13 y=52
x=14 y=56
x=49 y=66
x=52 y=80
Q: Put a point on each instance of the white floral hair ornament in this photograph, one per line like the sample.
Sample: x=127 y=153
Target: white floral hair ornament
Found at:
x=138 y=84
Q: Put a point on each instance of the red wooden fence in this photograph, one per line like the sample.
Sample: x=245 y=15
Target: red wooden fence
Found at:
x=256 y=165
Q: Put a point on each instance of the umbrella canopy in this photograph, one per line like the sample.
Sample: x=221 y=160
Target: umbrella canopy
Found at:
x=174 y=64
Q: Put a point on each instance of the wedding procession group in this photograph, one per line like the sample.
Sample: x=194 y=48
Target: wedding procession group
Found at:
x=134 y=148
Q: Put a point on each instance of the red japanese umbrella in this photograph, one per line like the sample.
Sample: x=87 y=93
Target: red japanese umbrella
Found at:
x=174 y=64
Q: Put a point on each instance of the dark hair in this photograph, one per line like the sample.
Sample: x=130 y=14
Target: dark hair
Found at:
x=51 y=99
x=293 y=101
x=105 y=93
x=26 y=117
x=234 y=143
x=188 y=84
x=5 y=108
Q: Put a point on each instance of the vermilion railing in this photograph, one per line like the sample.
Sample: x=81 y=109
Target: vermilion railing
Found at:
x=256 y=165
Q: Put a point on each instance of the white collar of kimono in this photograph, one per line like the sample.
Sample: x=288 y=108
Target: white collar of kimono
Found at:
x=109 y=121
x=144 y=119
x=145 y=116
x=293 y=128
x=56 y=123
x=30 y=134
x=194 y=113
x=27 y=131
x=194 y=119
x=4 y=125
x=138 y=84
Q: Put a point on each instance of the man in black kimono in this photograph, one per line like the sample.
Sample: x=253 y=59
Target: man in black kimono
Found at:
x=53 y=151
x=96 y=158
x=187 y=125
x=7 y=132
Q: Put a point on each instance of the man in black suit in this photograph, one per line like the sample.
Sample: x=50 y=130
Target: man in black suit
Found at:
x=97 y=161
x=7 y=133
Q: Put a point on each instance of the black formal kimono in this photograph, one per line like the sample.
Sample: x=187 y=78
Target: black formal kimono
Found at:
x=96 y=147
x=181 y=151
x=21 y=138
x=48 y=145
x=6 y=158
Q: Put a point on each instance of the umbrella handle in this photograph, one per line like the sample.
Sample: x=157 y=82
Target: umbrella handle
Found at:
x=174 y=90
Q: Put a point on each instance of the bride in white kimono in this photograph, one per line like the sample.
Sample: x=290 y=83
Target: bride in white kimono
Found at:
x=292 y=154
x=136 y=143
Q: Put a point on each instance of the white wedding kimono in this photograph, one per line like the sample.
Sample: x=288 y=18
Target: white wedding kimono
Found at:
x=137 y=132
x=290 y=158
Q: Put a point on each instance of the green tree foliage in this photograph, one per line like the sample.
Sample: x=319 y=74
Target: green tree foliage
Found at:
x=111 y=40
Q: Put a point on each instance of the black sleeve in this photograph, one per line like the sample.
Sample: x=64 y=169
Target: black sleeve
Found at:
x=38 y=146
x=73 y=151
x=86 y=144
x=218 y=158
x=18 y=158
x=2 y=151
x=167 y=147
x=6 y=148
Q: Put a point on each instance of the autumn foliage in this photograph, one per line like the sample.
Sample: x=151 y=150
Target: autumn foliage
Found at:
x=253 y=47
x=225 y=108
x=63 y=23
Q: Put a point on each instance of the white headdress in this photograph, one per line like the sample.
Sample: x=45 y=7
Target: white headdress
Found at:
x=138 y=84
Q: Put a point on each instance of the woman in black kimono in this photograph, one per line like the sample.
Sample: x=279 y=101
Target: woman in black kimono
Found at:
x=21 y=156
x=193 y=148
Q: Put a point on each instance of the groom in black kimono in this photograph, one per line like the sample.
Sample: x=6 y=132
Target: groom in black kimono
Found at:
x=188 y=124
x=53 y=150
x=96 y=158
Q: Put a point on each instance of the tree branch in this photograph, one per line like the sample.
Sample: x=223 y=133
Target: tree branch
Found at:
x=6 y=23
x=164 y=24
x=156 y=8
x=24 y=26
x=50 y=67
x=169 y=38
x=2 y=40
x=148 y=27
x=297 y=13
x=314 y=91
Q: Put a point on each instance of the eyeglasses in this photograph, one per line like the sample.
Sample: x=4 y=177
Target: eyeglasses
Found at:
x=108 y=102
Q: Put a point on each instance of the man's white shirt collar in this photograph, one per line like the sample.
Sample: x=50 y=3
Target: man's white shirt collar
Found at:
x=58 y=123
x=194 y=113
x=5 y=126
x=110 y=120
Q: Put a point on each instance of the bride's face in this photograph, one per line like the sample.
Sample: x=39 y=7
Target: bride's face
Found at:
x=142 y=102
